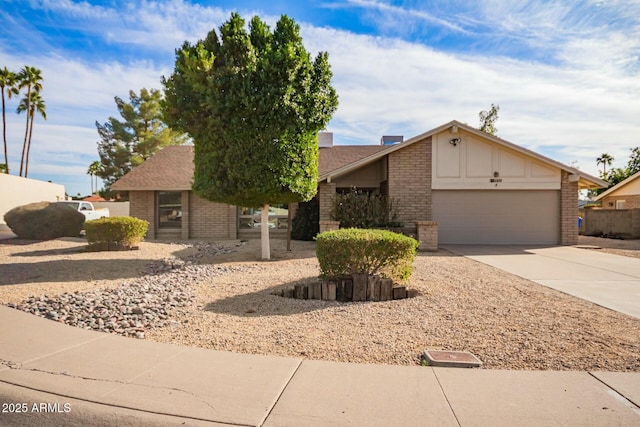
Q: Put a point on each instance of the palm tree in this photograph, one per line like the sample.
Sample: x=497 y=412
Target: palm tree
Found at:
x=604 y=160
x=30 y=77
x=8 y=81
x=93 y=170
x=33 y=104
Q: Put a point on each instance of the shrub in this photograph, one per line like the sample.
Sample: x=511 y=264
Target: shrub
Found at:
x=117 y=232
x=44 y=221
x=306 y=224
x=348 y=251
x=359 y=209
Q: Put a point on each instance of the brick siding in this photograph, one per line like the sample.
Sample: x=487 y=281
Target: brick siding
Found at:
x=568 y=211
x=632 y=201
x=201 y=219
x=142 y=206
x=211 y=220
x=326 y=193
x=409 y=181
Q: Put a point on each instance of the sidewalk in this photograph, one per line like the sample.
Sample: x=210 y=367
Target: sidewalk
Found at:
x=80 y=377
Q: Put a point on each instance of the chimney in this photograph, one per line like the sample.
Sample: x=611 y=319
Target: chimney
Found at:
x=391 y=139
x=325 y=139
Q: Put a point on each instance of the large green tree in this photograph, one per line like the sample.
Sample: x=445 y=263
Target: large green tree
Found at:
x=139 y=133
x=8 y=85
x=253 y=102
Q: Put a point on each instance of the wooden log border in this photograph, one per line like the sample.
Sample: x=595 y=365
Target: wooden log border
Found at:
x=359 y=287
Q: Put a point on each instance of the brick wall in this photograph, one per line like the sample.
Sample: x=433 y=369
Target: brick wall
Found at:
x=568 y=211
x=326 y=193
x=142 y=206
x=409 y=181
x=631 y=201
x=211 y=220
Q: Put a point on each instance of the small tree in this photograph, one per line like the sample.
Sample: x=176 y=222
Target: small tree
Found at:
x=253 y=102
x=126 y=143
x=488 y=120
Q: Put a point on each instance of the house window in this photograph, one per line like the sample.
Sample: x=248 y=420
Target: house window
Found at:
x=250 y=218
x=621 y=204
x=169 y=209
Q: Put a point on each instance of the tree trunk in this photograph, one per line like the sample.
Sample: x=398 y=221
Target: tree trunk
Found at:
x=4 y=135
x=289 y=227
x=264 y=232
x=26 y=130
x=26 y=163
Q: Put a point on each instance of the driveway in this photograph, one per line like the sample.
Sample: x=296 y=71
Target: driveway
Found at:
x=612 y=281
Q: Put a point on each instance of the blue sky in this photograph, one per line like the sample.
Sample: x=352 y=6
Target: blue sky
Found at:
x=566 y=74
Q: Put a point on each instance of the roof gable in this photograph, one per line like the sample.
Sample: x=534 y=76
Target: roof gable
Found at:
x=170 y=169
x=586 y=180
x=621 y=186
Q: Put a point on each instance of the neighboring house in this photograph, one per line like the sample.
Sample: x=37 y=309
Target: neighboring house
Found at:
x=94 y=198
x=623 y=195
x=477 y=187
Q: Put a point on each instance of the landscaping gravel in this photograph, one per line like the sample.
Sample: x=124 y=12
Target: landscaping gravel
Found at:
x=221 y=299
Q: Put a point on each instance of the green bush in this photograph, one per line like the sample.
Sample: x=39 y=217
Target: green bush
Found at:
x=359 y=209
x=122 y=231
x=348 y=251
x=306 y=224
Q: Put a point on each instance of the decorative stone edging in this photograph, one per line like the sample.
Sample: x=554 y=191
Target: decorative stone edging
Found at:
x=358 y=287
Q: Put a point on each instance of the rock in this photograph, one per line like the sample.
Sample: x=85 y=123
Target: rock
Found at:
x=138 y=304
x=44 y=221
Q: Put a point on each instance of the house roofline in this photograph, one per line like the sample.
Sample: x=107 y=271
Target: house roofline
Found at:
x=586 y=181
x=617 y=187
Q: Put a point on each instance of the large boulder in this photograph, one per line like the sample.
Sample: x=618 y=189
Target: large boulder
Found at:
x=44 y=221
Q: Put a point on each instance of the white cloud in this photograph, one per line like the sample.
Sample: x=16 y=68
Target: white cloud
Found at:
x=571 y=109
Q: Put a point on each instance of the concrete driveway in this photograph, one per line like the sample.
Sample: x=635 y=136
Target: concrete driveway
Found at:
x=612 y=281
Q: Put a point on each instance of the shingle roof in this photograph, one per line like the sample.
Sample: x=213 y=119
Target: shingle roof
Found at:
x=332 y=158
x=171 y=169
x=618 y=186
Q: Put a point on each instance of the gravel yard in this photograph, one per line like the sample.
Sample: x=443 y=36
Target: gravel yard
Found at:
x=508 y=322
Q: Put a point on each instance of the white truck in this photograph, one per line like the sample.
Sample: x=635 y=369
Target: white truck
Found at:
x=87 y=209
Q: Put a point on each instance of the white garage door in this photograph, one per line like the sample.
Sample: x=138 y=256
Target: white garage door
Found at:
x=498 y=217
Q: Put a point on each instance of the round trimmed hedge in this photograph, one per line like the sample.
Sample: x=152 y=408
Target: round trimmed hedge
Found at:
x=348 y=251
x=118 y=232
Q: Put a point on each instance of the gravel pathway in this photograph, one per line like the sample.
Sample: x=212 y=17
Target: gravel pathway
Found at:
x=184 y=293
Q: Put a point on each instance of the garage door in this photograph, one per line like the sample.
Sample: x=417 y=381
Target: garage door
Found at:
x=498 y=217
